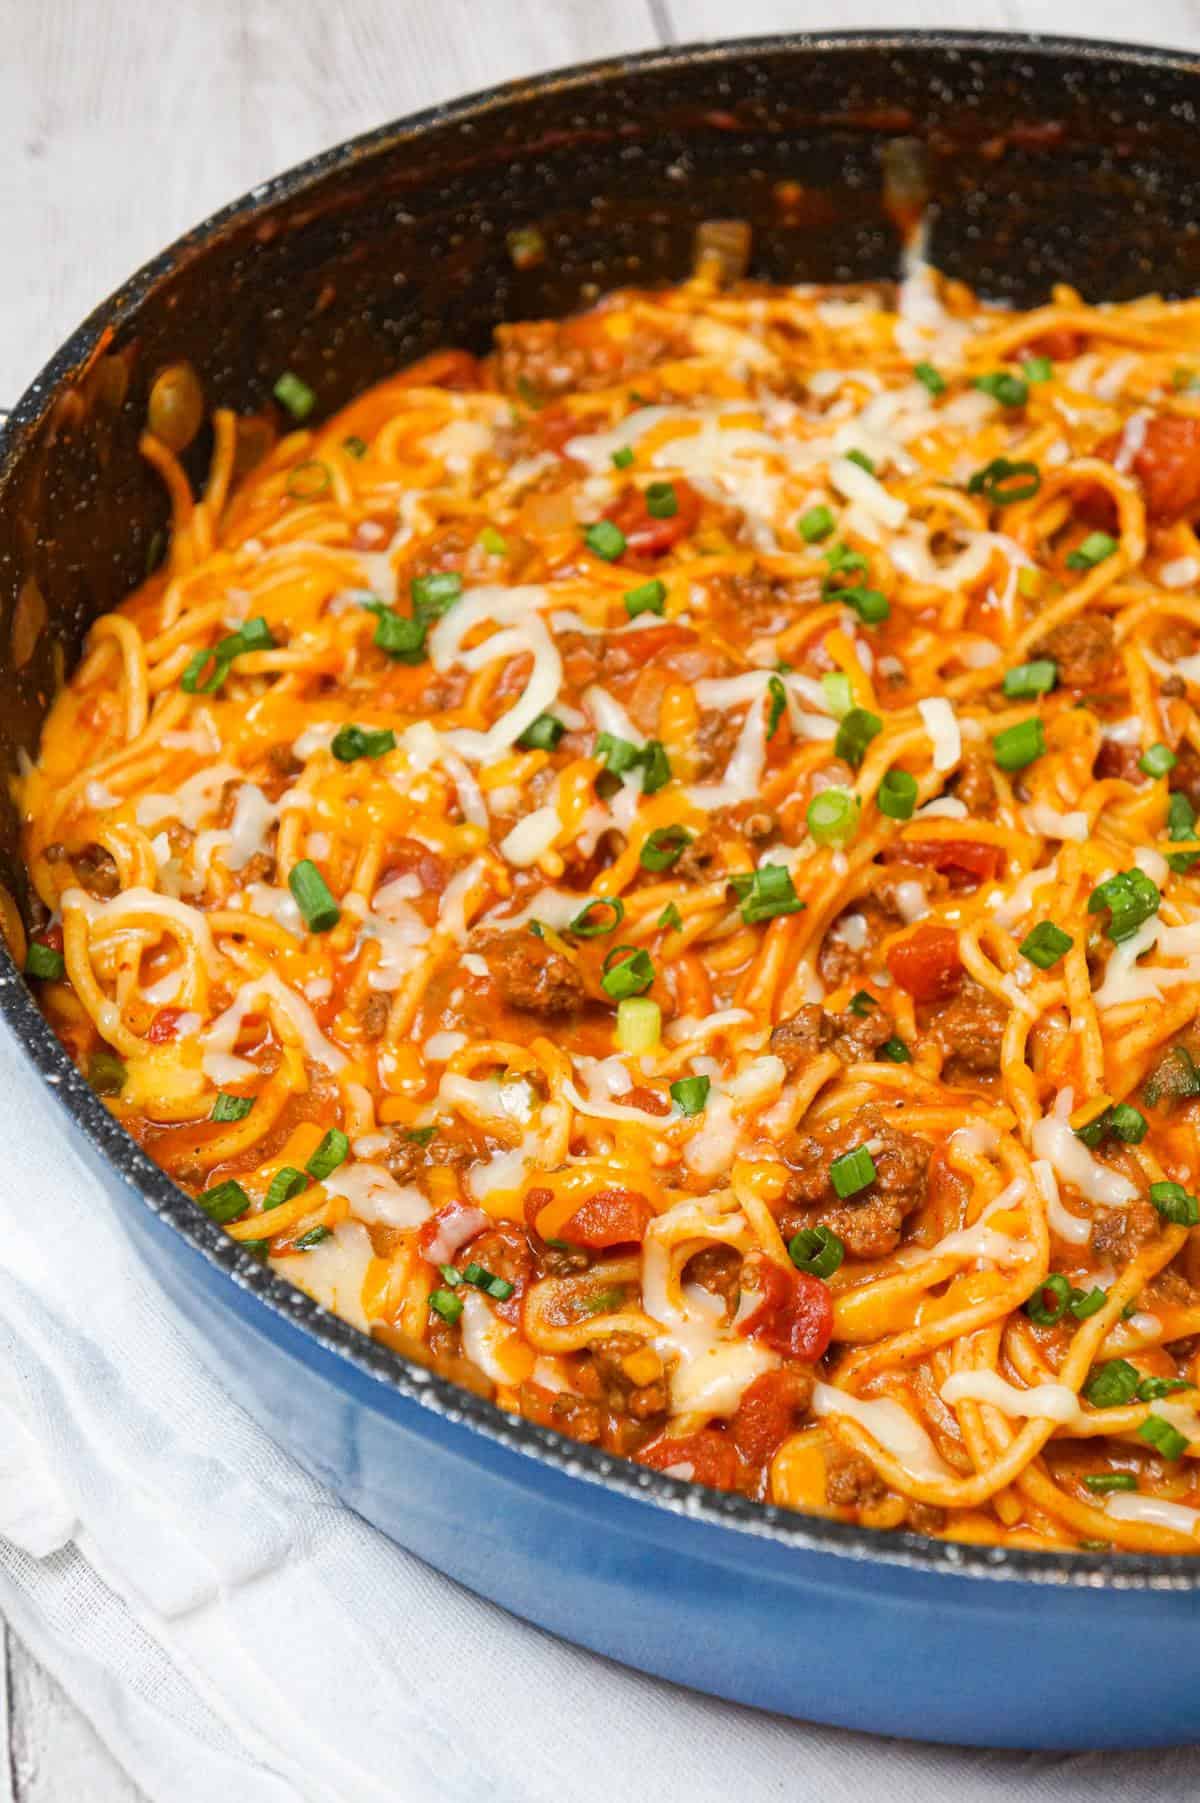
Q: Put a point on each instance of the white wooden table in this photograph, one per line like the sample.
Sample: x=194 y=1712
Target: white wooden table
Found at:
x=122 y=122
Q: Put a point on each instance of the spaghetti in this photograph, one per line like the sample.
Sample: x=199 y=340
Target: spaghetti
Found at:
x=654 y=873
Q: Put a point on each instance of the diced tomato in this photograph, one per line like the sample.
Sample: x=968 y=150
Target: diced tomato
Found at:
x=408 y=857
x=555 y=427
x=767 y=1412
x=650 y=1101
x=49 y=936
x=612 y=1217
x=706 y=1457
x=926 y=964
x=1166 y=465
x=650 y=537
x=964 y=862
x=162 y=1027
x=1061 y=345
x=790 y=1311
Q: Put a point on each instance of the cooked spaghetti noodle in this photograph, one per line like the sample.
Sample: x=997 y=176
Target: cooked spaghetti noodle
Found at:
x=654 y=873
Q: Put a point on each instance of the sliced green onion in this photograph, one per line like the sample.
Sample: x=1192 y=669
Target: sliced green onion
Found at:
x=1086 y=1303
x=1111 y=1385
x=817 y=1251
x=647 y=598
x=1100 y=1483
x=1093 y=550
x=869 y=604
x=670 y=918
x=199 y=679
x=231 y=1108
x=833 y=816
x=1002 y=482
x=1024 y=681
x=839 y=695
x=1004 y=387
x=224 y=1202
x=1128 y=1123
x=895 y=1051
x=855 y=733
x=106 y=1073
x=639 y=1024
x=617 y=755
x=663 y=847
x=308 y=480
x=487 y=1281
x=286 y=1183
x=333 y=1150
x=401 y=636
x=1174 y=1077
x=1019 y=745
x=1131 y=899
x=313 y=898
x=1157 y=760
x=1175 y=1204
x=896 y=796
x=1038 y=369
x=843 y=561
x=446 y=1304
x=542 y=734
x=656 y=766
x=586 y=926
x=295 y=395
x=353 y=742
x=1048 y=1303
x=1152 y=1389
x=861 y=1003
x=44 y=962
x=662 y=503
x=1166 y=1440
x=927 y=374
x=421 y=1136
x=852 y=1172
x=778 y=694
x=354 y=446
x=435 y=594
x=766 y=893
x=493 y=542
x=627 y=975
x=815 y=525
x=605 y=540
x=312 y=1238
x=1045 y=944
x=1181 y=824
x=690 y=1094
x=863 y=461
x=623 y=458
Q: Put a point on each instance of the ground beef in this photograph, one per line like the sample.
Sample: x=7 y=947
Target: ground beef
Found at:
x=1186 y=774
x=764 y=604
x=531 y=975
x=700 y=861
x=1118 y=762
x=853 y=1037
x=716 y=737
x=975 y=785
x=717 y=1269
x=1120 y=1233
x=542 y=357
x=968 y=1029
x=1082 y=648
x=852 y=1482
x=869 y=1223
x=95 y=869
x=841 y=958
x=284 y=761
x=374 y=1017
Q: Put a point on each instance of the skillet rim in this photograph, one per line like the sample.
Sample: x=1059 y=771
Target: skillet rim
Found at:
x=170 y=1204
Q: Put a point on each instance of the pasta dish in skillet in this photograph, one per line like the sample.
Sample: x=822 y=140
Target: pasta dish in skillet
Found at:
x=653 y=872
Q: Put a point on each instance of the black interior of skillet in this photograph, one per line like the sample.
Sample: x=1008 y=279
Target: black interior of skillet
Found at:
x=1049 y=163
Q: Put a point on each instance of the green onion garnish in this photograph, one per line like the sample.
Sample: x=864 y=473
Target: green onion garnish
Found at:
x=1181 y=824
x=862 y=1002
x=353 y=742
x=44 y=962
x=662 y=503
x=588 y=925
x=895 y=1051
x=224 y=1202
x=863 y=461
x=839 y=695
x=815 y=525
x=312 y=1238
x=855 y=733
x=434 y=594
x=926 y=373
x=1045 y=944
x=617 y=755
x=1085 y=1303
x=1157 y=760
x=775 y=712
x=1038 y=369
x=106 y=1073
x=1004 y=387
x=817 y=1251
x=1048 y=1303
x=896 y=795
x=200 y=679
x=1100 y=1483
x=491 y=1285
x=295 y=395
x=1019 y=745
x=766 y=893
x=286 y=1183
x=1002 y=482
x=852 y=1172
x=1175 y=1204
x=1131 y=899
x=333 y=1150
x=869 y=604
x=605 y=540
x=663 y=847
x=402 y=637
x=1093 y=550
x=833 y=816
x=1111 y=1385
x=493 y=542
x=1128 y=1123
x=670 y=918
x=542 y=734
x=690 y=1094
x=1024 y=681
x=1152 y=1388
x=308 y=480
x=446 y=1304
x=1165 y=1439
x=627 y=971
x=313 y=898
x=656 y=767
x=231 y=1108
x=623 y=458
x=647 y=598
x=354 y=446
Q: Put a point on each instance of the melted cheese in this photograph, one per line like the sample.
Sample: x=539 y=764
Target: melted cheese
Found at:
x=890 y=1424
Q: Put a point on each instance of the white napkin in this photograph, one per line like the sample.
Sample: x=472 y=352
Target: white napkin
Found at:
x=235 y=1634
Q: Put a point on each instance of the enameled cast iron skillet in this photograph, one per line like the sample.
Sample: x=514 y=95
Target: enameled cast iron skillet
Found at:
x=1051 y=160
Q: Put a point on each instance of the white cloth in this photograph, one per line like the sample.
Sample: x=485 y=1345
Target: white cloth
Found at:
x=235 y=1633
